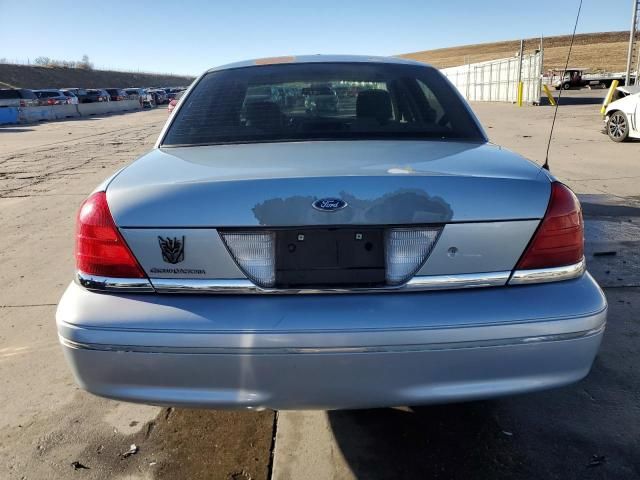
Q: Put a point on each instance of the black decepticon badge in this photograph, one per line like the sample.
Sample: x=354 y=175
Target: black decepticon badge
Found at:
x=172 y=249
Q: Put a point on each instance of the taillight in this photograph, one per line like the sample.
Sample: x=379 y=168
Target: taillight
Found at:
x=559 y=240
x=406 y=250
x=255 y=253
x=100 y=249
x=51 y=101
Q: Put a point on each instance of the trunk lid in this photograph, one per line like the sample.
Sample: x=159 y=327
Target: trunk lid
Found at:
x=247 y=211
x=275 y=185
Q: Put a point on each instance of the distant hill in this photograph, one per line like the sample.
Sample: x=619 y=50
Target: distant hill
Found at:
x=606 y=51
x=24 y=76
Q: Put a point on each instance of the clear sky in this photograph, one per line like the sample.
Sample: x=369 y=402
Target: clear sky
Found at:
x=189 y=36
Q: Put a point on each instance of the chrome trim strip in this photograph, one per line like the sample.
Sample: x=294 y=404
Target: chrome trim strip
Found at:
x=245 y=286
x=108 y=284
x=503 y=342
x=543 y=275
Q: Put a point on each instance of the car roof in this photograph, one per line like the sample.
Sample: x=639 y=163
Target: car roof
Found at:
x=630 y=89
x=317 y=59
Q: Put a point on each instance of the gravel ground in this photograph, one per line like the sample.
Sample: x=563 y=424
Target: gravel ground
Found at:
x=47 y=422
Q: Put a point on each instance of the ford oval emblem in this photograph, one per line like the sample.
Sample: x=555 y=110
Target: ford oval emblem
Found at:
x=329 y=204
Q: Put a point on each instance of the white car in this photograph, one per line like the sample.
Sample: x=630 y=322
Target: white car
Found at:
x=622 y=116
x=72 y=99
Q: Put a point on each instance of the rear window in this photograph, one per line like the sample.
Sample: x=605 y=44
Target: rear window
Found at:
x=28 y=94
x=8 y=94
x=321 y=101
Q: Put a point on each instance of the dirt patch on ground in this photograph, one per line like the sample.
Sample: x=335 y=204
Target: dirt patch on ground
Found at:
x=185 y=443
x=46 y=423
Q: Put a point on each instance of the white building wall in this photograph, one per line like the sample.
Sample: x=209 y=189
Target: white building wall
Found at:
x=497 y=80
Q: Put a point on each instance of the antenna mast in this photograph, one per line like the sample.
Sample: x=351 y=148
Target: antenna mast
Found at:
x=564 y=72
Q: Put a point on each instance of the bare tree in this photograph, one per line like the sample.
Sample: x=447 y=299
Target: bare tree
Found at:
x=85 y=63
x=43 y=61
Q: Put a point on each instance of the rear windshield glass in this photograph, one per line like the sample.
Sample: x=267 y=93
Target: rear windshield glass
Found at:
x=5 y=94
x=321 y=101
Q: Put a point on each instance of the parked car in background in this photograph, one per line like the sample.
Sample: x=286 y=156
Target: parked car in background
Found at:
x=17 y=97
x=386 y=255
x=142 y=95
x=174 y=91
x=71 y=97
x=97 y=95
x=622 y=116
x=174 y=101
x=320 y=99
x=51 y=97
x=159 y=96
x=81 y=93
x=117 y=94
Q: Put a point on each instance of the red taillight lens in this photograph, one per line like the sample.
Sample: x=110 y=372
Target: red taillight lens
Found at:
x=100 y=249
x=559 y=239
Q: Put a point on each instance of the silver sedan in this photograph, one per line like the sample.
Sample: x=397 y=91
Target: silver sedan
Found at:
x=382 y=254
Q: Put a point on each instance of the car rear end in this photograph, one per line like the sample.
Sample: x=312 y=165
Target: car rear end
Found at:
x=132 y=93
x=72 y=99
x=115 y=94
x=80 y=93
x=17 y=97
x=51 y=97
x=95 y=95
x=9 y=97
x=383 y=254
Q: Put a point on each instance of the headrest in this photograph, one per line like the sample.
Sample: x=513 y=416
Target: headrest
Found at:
x=263 y=114
x=374 y=104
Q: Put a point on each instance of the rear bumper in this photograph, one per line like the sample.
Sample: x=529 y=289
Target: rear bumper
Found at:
x=332 y=351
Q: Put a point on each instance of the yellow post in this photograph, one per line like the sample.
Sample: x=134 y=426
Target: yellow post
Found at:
x=609 y=96
x=520 y=88
x=552 y=101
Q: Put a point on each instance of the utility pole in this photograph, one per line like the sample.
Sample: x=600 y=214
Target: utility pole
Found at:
x=632 y=41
